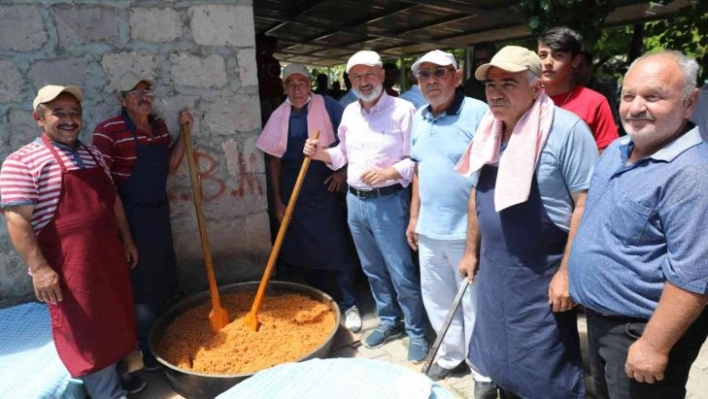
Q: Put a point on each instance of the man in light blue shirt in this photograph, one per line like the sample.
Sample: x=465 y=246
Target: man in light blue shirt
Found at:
x=414 y=95
x=440 y=134
x=639 y=263
x=524 y=210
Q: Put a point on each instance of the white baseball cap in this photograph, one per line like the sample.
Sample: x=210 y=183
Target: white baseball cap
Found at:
x=50 y=92
x=364 y=57
x=436 y=57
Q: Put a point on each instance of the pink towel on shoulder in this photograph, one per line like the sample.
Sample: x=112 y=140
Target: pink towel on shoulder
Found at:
x=273 y=139
x=517 y=166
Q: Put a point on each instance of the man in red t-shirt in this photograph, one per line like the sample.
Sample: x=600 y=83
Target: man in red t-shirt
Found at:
x=559 y=49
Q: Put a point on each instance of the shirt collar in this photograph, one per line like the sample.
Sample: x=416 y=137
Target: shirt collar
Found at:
x=381 y=104
x=57 y=144
x=130 y=125
x=453 y=109
x=670 y=151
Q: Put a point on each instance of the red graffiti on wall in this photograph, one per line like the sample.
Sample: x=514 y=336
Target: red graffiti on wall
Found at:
x=247 y=182
x=213 y=187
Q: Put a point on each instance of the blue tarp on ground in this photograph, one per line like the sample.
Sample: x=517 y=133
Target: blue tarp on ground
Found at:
x=344 y=378
x=29 y=364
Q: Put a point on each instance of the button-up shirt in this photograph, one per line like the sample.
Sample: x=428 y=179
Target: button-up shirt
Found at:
x=378 y=137
x=643 y=225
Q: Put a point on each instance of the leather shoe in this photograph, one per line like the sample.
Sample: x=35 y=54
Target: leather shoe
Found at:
x=485 y=390
x=437 y=372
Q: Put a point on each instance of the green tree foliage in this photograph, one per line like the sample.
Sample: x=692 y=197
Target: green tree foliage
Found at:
x=614 y=48
x=687 y=32
x=585 y=16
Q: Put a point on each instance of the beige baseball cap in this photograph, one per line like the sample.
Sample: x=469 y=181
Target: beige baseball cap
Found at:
x=50 y=92
x=293 y=69
x=129 y=80
x=511 y=59
x=364 y=57
x=436 y=57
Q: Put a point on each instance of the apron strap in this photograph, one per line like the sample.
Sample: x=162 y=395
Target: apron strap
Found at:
x=98 y=164
x=132 y=128
x=54 y=152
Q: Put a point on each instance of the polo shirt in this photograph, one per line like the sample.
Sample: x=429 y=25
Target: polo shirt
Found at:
x=348 y=98
x=643 y=224
x=114 y=138
x=437 y=144
x=593 y=108
x=31 y=176
x=415 y=96
x=564 y=167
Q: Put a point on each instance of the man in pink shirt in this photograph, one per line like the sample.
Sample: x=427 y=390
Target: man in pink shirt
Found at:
x=375 y=141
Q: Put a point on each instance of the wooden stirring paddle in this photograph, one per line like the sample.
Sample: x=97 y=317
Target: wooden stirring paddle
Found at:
x=251 y=318
x=218 y=316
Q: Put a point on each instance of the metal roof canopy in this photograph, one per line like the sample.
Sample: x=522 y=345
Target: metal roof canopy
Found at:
x=327 y=32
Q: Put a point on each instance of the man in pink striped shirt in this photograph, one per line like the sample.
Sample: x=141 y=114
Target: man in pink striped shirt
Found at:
x=375 y=142
x=66 y=221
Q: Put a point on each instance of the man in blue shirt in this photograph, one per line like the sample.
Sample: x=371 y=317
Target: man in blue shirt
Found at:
x=531 y=164
x=414 y=94
x=639 y=263
x=440 y=134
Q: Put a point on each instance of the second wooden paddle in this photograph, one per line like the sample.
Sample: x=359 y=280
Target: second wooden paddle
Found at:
x=443 y=329
x=218 y=316
x=251 y=318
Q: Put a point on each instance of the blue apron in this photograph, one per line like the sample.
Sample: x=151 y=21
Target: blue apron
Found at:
x=147 y=208
x=316 y=237
x=517 y=340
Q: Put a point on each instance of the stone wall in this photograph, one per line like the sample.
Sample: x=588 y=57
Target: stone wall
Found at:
x=199 y=54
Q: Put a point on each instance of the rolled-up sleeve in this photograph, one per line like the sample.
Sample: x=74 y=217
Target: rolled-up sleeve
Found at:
x=338 y=153
x=406 y=166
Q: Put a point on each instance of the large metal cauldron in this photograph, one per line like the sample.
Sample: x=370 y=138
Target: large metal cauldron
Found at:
x=194 y=385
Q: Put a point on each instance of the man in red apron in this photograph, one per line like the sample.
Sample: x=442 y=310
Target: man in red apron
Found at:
x=66 y=221
x=140 y=154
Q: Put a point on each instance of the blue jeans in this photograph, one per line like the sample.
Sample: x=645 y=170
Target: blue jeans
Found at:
x=145 y=317
x=103 y=384
x=378 y=227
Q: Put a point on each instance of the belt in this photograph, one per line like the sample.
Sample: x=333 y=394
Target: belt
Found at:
x=616 y=317
x=376 y=192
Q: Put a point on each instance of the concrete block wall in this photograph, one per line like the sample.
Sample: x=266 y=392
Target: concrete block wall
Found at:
x=199 y=54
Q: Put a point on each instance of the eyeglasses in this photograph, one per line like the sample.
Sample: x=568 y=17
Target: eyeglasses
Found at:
x=138 y=93
x=425 y=74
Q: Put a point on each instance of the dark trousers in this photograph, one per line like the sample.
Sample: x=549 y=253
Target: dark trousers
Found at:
x=609 y=341
x=320 y=279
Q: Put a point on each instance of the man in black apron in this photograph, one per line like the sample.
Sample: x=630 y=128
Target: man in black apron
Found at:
x=315 y=248
x=140 y=153
x=532 y=163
